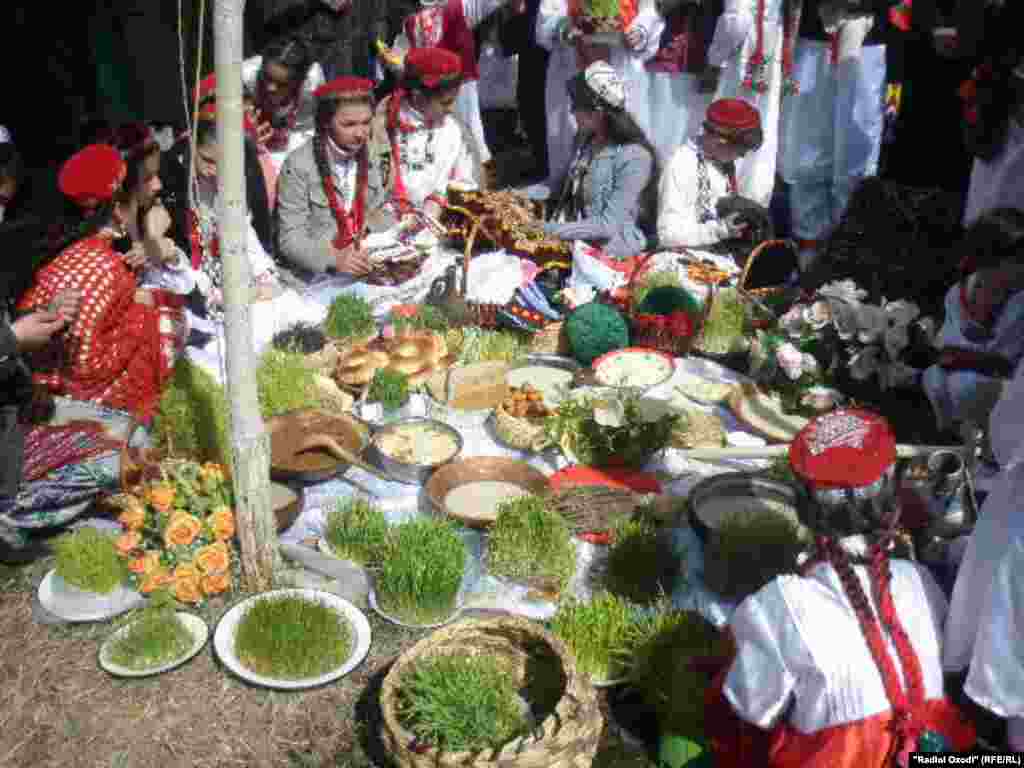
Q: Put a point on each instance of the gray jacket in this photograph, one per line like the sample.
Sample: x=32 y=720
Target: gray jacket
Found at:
x=305 y=222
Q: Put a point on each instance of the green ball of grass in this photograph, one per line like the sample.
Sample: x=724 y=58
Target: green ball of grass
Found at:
x=530 y=542
x=88 y=560
x=292 y=638
x=349 y=317
x=421 y=575
x=461 y=703
x=595 y=329
x=357 y=531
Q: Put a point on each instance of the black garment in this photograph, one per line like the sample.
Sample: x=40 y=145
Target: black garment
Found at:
x=342 y=41
x=517 y=36
x=15 y=390
x=811 y=27
x=174 y=175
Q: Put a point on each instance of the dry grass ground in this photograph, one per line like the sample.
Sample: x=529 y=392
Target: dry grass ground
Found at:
x=58 y=709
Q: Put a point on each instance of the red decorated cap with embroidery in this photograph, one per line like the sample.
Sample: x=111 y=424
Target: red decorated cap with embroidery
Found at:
x=432 y=68
x=345 y=86
x=736 y=120
x=92 y=175
x=847 y=448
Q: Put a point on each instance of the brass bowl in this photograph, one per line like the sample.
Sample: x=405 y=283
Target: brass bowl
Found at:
x=478 y=468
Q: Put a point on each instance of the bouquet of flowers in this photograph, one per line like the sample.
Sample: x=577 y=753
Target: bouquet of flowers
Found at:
x=178 y=531
x=835 y=331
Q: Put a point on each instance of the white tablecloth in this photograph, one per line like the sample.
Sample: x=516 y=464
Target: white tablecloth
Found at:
x=402 y=502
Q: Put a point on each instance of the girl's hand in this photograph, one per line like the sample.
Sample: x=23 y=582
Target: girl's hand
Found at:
x=156 y=222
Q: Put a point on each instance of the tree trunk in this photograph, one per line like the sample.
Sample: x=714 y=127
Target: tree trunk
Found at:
x=250 y=444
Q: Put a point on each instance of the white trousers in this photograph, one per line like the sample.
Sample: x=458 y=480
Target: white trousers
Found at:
x=831 y=133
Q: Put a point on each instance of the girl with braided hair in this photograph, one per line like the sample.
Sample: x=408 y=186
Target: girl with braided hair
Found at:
x=839 y=666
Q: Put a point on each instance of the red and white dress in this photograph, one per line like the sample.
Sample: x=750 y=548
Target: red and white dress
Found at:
x=804 y=689
x=117 y=352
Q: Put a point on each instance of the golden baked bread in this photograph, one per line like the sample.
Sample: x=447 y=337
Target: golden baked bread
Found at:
x=417 y=354
x=357 y=366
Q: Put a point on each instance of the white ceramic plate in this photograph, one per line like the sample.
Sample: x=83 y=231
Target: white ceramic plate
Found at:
x=460 y=603
x=74 y=605
x=359 y=630
x=197 y=628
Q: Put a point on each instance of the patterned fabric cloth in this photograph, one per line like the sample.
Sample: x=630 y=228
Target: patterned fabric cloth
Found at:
x=48 y=448
x=117 y=352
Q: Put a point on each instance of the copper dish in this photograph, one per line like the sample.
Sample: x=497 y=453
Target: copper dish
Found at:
x=479 y=468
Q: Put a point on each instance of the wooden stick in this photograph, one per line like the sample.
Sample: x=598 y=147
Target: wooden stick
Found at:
x=772 y=451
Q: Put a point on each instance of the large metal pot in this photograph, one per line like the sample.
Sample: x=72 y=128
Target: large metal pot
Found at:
x=405 y=472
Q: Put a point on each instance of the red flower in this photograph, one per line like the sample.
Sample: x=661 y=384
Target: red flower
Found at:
x=404 y=310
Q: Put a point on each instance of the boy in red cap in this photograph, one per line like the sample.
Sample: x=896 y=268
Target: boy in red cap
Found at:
x=701 y=173
x=841 y=665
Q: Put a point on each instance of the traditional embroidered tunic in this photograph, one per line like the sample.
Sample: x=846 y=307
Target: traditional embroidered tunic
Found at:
x=803 y=673
x=117 y=352
x=552 y=21
x=299 y=116
x=691 y=186
x=426 y=29
x=734 y=44
x=607 y=189
x=430 y=157
x=831 y=131
x=950 y=390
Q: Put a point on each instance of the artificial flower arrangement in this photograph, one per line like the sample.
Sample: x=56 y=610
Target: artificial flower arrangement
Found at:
x=836 y=331
x=178 y=531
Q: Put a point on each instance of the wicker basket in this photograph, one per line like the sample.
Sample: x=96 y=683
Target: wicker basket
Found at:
x=566 y=738
x=520 y=433
x=551 y=340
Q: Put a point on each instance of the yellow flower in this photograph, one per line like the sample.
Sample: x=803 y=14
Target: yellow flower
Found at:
x=133 y=514
x=215 y=583
x=161 y=496
x=128 y=542
x=214 y=558
x=182 y=530
x=212 y=472
x=145 y=563
x=186 y=584
x=155 y=579
x=222 y=520
x=186 y=571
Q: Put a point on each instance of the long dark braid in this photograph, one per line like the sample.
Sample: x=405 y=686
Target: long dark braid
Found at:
x=320 y=154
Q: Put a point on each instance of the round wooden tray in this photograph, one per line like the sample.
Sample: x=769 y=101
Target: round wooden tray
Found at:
x=478 y=468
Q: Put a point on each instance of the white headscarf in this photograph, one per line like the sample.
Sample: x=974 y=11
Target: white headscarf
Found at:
x=606 y=84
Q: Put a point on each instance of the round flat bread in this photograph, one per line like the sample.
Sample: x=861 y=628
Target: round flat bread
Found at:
x=408 y=367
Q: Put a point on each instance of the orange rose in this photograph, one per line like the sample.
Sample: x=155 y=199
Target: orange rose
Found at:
x=214 y=558
x=215 y=583
x=187 y=590
x=211 y=471
x=145 y=564
x=161 y=496
x=222 y=520
x=128 y=542
x=182 y=530
x=155 y=579
x=133 y=515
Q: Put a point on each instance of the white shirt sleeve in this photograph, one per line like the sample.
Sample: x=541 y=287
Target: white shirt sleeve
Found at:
x=653 y=24
x=731 y=32
x=476 y=11
x=679 y=225
x=550 y=18
x=465 y=169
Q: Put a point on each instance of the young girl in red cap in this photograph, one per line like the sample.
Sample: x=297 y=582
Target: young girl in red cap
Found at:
x=841 y=666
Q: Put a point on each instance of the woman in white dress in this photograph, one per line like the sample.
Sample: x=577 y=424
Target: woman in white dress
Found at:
x=571 y=52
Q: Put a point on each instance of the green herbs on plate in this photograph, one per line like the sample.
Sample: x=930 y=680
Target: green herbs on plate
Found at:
x=531 y=543
x=612 y=429
x=749 y=549
x=87 y=559
x=154 y=636
x=389 y=388
x=461 y=703
x=641 y=565
x=420 y=578
x=600 y=634
x=358 y=531
x=285 y=383
x=290 y=637
x=350 y=318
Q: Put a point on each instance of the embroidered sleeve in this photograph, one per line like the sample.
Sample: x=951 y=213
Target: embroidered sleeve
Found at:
x=679 y=224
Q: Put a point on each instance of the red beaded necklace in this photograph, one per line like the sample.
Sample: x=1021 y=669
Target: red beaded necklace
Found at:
x=350 y=222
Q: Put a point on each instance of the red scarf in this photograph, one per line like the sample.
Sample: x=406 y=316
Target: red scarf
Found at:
x=400 y=195
x=350 y=222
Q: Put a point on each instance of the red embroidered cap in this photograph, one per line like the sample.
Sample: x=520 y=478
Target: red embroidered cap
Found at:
x=847 y=448
x=345 y=86
x=735 y=120
x=92 y=175
x=432 y=68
